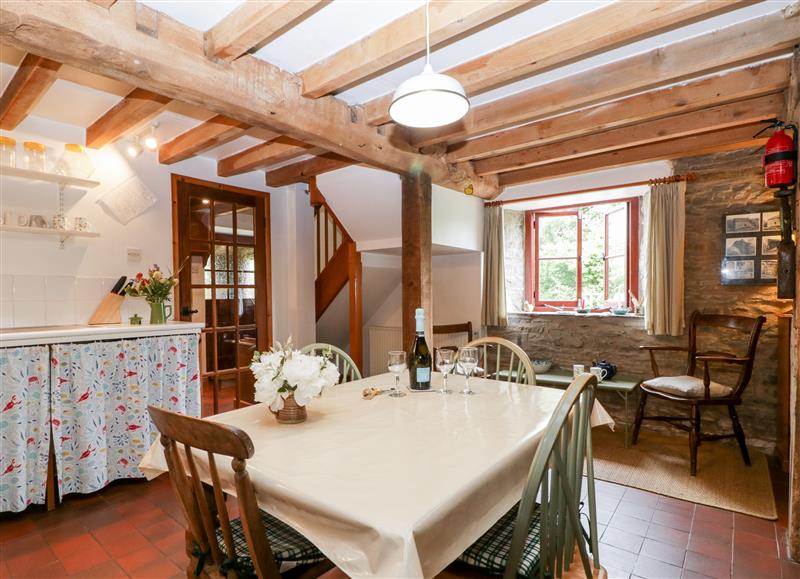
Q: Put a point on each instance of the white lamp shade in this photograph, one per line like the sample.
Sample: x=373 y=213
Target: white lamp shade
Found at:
x=429 y=100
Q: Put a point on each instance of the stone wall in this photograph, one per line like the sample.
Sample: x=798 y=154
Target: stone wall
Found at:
x=725 y=183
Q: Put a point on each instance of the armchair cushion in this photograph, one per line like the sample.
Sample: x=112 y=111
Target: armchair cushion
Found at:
x=686 y=386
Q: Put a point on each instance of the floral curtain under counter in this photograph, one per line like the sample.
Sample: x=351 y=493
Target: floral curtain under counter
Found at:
x=100 y=394
x=24 y=428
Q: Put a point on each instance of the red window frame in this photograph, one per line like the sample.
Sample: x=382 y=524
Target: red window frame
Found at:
x=539 y=215
x=532 y=257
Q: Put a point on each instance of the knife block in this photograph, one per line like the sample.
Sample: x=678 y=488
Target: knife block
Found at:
x=108 y=311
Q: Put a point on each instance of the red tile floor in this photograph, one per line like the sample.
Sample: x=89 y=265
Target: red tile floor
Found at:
x=134 y=529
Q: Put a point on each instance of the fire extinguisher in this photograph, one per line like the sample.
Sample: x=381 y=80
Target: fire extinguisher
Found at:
x=780 y=172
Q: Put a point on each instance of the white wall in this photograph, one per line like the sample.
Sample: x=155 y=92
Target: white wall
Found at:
x=456 y=219
x=42 y=284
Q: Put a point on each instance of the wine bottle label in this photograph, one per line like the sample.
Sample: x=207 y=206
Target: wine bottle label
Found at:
x=423 y=374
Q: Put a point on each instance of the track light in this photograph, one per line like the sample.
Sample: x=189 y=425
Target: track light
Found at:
x=134 y=148
x=150 y=140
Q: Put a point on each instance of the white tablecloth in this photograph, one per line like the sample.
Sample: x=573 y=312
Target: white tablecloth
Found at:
x=395 y=487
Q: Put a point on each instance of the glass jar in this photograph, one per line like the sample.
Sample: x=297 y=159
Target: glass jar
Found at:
x=75 y=162
x=8 y=152
x=33 y=157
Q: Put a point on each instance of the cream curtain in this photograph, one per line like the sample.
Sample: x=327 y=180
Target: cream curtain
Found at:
x=664 y=239
x=494 y=276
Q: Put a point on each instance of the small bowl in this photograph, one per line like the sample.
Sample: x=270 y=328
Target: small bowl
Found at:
x=582 y=311
x=620 y=311
x=542 y=366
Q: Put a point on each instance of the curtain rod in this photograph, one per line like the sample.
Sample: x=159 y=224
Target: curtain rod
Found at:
x=670 y=179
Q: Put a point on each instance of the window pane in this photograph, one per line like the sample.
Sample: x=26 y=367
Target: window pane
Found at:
x=223 y=264
x=245 y=265
x=617 y=233
x=593 y=243
x=244 y=224
x=199 y=218
x=558 y=280
x=247 y=305
x=226 y=307
x=617 y=279
x=223 y=221
x=558 y=236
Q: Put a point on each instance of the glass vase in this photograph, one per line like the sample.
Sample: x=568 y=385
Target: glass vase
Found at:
x=159 y=312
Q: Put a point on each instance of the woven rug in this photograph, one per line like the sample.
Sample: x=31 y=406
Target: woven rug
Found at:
x=660 y=464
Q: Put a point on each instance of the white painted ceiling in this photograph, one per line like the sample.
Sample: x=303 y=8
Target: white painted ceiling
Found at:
x=78 y=98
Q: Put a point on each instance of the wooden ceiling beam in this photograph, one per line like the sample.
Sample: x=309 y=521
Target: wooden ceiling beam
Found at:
x=302 y=171
x=263 y=155
x=104 y=3
x=29 y=84
x=761 y=79
x=169 y=59
x=212 y=133
x=138 y=107
x=736 y=45
x=746 y=112
x=725 y=140
x=254 y=24
x=403 y=40
x=622 y=23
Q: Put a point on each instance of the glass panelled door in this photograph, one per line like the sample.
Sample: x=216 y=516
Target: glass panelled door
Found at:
x=223 y=244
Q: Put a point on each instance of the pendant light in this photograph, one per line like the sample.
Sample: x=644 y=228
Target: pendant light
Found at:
x=428 y=99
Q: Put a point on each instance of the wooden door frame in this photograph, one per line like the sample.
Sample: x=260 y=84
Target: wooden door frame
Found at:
x=263 y=326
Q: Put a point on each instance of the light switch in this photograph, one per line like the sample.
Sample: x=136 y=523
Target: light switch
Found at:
x=134 y=254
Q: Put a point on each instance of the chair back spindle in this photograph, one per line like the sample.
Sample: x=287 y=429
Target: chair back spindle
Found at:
x=504 y=360
x=348 y=371
x=205 y=509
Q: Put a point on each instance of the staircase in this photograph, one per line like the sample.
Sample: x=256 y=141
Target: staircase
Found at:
x=337 y=263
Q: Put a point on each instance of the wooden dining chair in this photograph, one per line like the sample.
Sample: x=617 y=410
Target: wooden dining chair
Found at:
x=256 y=543
x=540 y=539
x=504 y=360
x=696 y=393
x=348 y=371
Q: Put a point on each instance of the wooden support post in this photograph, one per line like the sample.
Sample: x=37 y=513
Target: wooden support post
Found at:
x=356 y=305
x=793 y=115
x=416 y=225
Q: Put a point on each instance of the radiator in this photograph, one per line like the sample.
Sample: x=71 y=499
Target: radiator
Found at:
x=384 y=339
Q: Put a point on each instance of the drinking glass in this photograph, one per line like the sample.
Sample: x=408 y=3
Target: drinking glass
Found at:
x=445 y=362
x=468 y=359
x=397 y=365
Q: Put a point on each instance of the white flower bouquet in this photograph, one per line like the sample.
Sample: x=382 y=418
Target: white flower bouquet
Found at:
x=283 y=372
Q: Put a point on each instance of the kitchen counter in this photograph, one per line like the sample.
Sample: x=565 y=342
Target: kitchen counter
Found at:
x=10 y=337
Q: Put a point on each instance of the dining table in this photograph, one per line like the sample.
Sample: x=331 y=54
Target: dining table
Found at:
x=393 y=487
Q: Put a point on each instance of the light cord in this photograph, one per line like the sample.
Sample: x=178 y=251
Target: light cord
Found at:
x=427 y=32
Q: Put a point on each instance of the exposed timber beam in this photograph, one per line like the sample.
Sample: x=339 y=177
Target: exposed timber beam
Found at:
x=622 y=23
x=212 y=133
x=417 y=268
x=28 y=85
x=746 y=42
x=402 y=40
x=279 y=150
x=745 y=112
x=254 y=24
x=138 y=107
x=761 y=79
x=170 y=60
x=104 y=3
x=302 y=171
x=725 y=140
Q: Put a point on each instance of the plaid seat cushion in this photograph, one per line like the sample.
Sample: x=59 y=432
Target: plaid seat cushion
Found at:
x=490 y=552
x=286 y=543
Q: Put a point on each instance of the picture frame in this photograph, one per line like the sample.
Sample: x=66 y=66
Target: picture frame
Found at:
x=750 y=242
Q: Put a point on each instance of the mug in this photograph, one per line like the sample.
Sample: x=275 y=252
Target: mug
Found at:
x=577 y=370
x=601 y=373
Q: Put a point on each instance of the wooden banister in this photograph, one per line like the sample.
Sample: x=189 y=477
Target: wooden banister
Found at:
x=337 y=263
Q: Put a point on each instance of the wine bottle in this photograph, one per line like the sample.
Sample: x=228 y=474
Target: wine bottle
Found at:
x=419 y=359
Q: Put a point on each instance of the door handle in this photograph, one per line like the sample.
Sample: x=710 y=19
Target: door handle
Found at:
x=187 y=311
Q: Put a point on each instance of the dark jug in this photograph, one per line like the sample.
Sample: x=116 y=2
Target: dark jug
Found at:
x=610 y=369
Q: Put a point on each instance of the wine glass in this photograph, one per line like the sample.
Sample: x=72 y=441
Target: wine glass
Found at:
x=445 y=362
x=468 y=360
x=397 y=365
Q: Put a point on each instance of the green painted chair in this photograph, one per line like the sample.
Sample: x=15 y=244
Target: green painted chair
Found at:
x=347 y=368
x=539 y=539
x=503 y=360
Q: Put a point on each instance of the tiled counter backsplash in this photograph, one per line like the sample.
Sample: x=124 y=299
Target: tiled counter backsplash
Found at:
x=45 y=300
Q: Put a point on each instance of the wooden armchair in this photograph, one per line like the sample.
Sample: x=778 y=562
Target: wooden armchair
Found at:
x=696 y=393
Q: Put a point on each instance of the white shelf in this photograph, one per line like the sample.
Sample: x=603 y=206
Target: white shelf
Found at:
x=47 y=177
x=62 y=233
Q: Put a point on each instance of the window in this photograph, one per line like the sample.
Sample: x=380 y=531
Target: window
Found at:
x=582 y=255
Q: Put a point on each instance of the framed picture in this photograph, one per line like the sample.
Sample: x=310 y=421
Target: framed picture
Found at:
x=743 y=223
x=741 y=247
x=750 y=242
x=739 y=270
x=769 y=269
x=769 y=244
x=771 y=221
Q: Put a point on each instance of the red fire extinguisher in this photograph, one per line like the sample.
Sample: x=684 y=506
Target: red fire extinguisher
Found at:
x=780 y=158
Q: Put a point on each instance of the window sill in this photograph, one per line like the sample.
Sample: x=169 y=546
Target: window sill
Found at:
x=576 y=315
